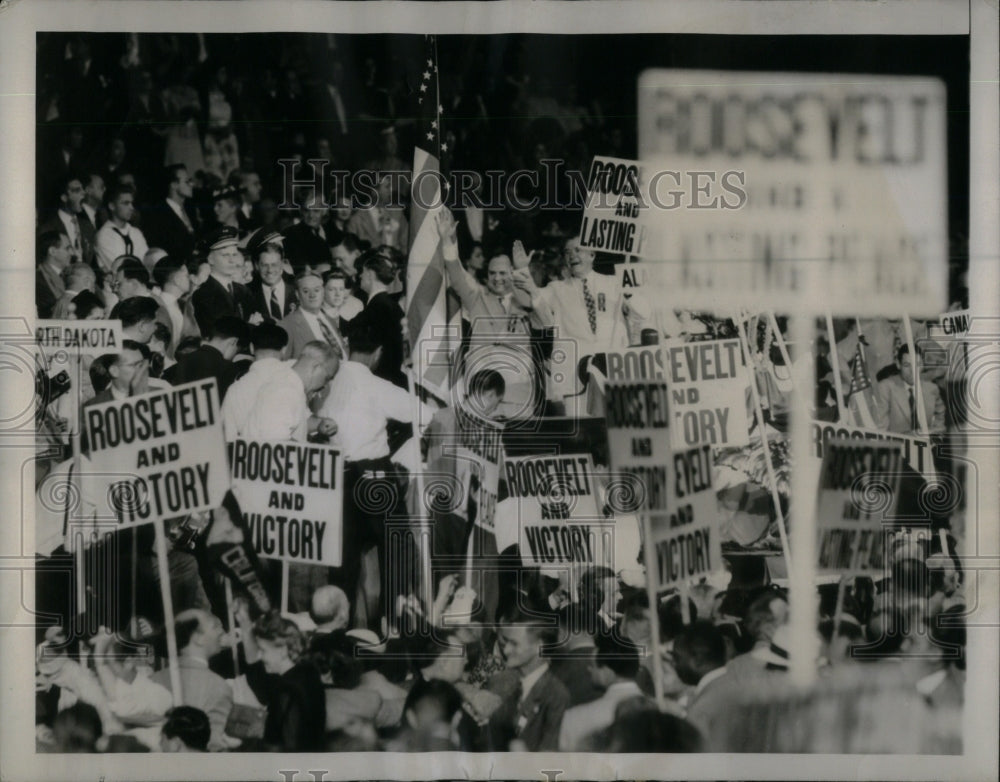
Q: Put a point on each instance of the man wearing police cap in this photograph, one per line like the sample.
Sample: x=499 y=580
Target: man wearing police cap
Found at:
x=272 y=291
x=220 y=294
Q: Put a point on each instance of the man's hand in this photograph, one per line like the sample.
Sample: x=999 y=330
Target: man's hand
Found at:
x=241 y=611
x=448 y=231
x=255 y=319
x=521 y=257
x=326 y=427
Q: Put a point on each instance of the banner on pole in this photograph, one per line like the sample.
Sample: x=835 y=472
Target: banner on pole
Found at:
x=858 y=490
x=87 y=337
x=168 y=448
x=764 y=186
x=918 y=452
x=637 y=419
x=291 y=496
x=558 y=509
x=477 y=464
x=709 y=385
x=613 y=208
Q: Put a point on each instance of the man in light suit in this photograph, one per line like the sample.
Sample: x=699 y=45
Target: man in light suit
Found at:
x=897 y=395
x=309 y=323
x=175 y=310
x=534 y=700
x=271 y=290
x=614 y=667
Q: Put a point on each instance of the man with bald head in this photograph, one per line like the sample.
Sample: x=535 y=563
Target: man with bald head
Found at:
x=329 y=609
x=281 y=409
x=201 y=636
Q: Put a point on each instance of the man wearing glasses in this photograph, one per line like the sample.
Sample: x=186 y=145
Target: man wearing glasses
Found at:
x=128 y=372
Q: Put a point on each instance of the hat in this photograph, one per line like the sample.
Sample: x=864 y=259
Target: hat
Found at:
x=262 y=237
x=226 y=191
x=368 y=639
x=219 y=238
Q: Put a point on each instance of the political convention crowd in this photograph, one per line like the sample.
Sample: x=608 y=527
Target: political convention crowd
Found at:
x=158 y=206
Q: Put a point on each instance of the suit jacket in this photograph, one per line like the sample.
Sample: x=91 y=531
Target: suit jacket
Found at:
x=189 y=327
x=164 y=229
x=200 y=364
x=88 y=234
x=212 y=301
x=894 y=406
x=299 y=332
x=384 y=318
x=49 y=288
x=536 y=720
x=261 y=305
x=304 y=247
x=487 y=314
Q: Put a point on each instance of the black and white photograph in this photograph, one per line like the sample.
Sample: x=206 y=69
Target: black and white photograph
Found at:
x=520 y=390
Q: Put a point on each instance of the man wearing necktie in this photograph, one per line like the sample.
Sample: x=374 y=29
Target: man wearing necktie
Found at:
x=899 y=399
x=309 y=323
x=118 y=236
x=220 y=295
x=272 y=291
x=69 y=220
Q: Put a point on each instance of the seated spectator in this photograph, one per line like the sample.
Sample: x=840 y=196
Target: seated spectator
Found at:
x=187 y=729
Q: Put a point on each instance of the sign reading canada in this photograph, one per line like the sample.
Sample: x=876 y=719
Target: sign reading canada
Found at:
x=292 y=500
x=764 y=187
x=167 y=446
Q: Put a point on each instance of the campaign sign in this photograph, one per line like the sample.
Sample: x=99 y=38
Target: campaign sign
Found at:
x=638 y=419
x=918 y=452
x=477 y=464
x=557 y=509
x=858 y=488
x=168 y=447
x=86 y=337
x=779 y=190
x=611 y=214
x=686 y=539
x=708 y=393
x=292 y=499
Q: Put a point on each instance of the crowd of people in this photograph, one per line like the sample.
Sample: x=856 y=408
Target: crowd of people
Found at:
x=171 y=215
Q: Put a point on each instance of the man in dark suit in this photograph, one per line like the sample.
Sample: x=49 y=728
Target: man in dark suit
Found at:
x=306 y=242
x=272 y=291
x=168 y=224
x=534 y=700
x=220 y=295
x=214 y=358
x=53 y=251
x=382 y=316
x=69 y=219
x=249 y=187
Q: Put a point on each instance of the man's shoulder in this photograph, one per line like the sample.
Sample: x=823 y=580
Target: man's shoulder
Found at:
x=551 y=689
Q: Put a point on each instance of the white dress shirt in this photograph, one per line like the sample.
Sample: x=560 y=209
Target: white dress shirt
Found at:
x=361 y=403
x=110 y=245
x=72 y=228
x=278 y=291
x=280 y=410
x=312 y=319
x=242 y=395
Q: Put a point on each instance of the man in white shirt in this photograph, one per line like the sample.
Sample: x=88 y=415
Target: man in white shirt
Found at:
x=118 y=236
x=614 y=668
x=281 y=409
x=175 y=282
x=270 y=342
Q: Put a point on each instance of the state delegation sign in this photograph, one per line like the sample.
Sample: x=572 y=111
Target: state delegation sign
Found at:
x=558 y=514
x=772 y=189
x=168 y=448
x=86 y=337
x=292 y=499
x=858 y=490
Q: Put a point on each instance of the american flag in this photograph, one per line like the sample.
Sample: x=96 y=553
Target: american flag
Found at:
x=432 y=313
x=861 y=396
